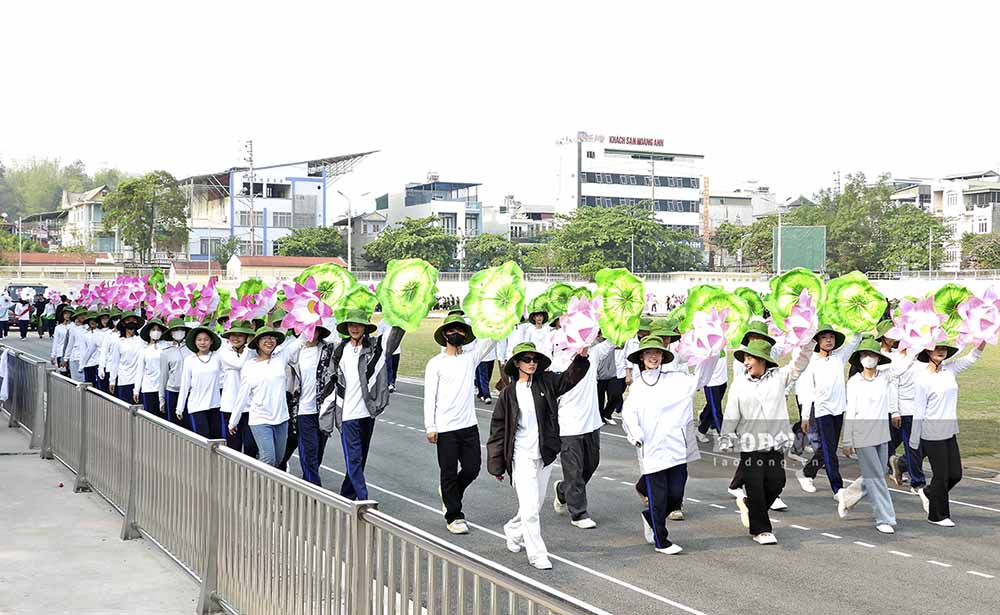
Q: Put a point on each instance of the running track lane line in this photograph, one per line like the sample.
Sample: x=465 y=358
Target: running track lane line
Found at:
x=614 y=435
x=591 y=571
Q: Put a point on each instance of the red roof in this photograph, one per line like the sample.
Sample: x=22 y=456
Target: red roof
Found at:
x=289 y=261
x=55 y=258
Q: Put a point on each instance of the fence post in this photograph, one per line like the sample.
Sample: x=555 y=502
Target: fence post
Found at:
x=207 y=599
x=359 y=595
x=129 y=531
x=46 y=422
x=82 y=484
x=38 y=422
x=12 y=389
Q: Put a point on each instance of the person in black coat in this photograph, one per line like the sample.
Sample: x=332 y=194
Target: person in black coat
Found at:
x=524 y=440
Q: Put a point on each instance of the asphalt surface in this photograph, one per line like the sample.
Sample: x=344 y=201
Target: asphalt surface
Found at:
x=822 y=564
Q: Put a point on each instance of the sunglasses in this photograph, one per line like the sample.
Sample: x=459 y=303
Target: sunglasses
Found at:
x=531 y=359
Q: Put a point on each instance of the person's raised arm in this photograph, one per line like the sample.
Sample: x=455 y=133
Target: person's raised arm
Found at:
x=957 y=366
x=431 y=383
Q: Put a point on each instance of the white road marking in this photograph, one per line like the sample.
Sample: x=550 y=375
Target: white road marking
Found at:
x=982 y=480
x=980 y=574
x=628 y=484
x=693 y=500
x=608 y=478
x=900 y=553
x=831 y=536
x=864 y=544
x=936 y=563
x=717 y=506
x=799 y=527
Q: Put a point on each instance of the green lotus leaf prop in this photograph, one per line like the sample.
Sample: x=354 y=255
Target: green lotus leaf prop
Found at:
x=558 y=295
x=332 y=281
x=407 y=292
x=250 y=286
x=225 y=303
x=785 y=291
x=752 y=298
x=705 y=298
x=852 y=304
x=495 y=301
x=582 y=292
x=623 y=297
x=158 y=280
x=358 y=298
x=677 y=314
x=946 y=302
x=540 y=304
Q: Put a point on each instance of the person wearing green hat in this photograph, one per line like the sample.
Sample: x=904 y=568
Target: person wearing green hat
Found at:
x=657 y=421
x=450 y=413
x=903 y=370
x=233 y=356
x=74 y=345
x=826 y=391
x=524 y=441
x=59 y=337
x=124 y=362
x=108 y=335
x=866 y=430
x=200 y=396
x=89 y=356
x=935 y=423
x=756 y=419
x=534 y=331
x=148 y=389
x=171 y=367
x=310 y=440
x=645 y=324
x=352 y=390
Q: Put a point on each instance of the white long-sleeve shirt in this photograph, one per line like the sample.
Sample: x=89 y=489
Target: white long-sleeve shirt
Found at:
x=108 y=337
x=824 y=379
x=935 y=407
x=232 y=364
x=579 y=412
x=902 y=371
x=124 y=363
x=74 y=342
x=91 y=343
x=308 y=361
x=262 y=393
x=199 y=384
x=172 y=366
x=149 y=369
x=720 y=374
x=866 y=419
x=59 y=340
x=449 y=389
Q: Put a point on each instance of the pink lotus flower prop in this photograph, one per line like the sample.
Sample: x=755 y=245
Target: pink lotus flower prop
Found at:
x=242 y=309
x=207 y=300
x=305 y=310
x=802 y=322
x=918 y=326
x=579 y=326
x=706 y=338
x=52 y=296
x=980 y=319
x=781 y=343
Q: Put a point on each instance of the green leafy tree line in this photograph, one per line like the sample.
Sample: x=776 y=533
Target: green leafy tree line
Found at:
x=148 y=211
x=36 y=185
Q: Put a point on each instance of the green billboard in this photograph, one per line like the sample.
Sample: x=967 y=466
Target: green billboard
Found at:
x=801 y=246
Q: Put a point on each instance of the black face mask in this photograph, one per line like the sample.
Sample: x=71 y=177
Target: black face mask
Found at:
x=455 y=339
x=132 y=326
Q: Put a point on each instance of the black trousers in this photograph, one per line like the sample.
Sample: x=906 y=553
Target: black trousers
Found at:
x=610 y=396
x=946 y=469
x=580 y=455
x=665 y=490
x=763 y=480
x=830 y=428
x=22 y=327
x=454 y=449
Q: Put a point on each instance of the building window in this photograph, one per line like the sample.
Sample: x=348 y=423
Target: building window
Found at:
x=590 y=155
x=600 y=178
x=983 y=226
x=623 y=179
x=210 y=246
x=244 y=219
x=282 y=219
x=278 y=191
x=671 y=182
x=607 y=179
x=694 y=182
x=258 y=248
x=382 y=202
x=471 y=225
x=449 y=223
x=631 y=179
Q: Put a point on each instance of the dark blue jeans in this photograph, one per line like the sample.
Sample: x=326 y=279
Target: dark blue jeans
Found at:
x=312 y=445
x=171 y=399
x=90 y=376
x=913 y=459
x=829 y=428
x=151 y=403
x=711 y=414
x=206 y=423
x=484 y=373
x=665 y=490
x=355 y=437
x=125 y=392
x=243 y=440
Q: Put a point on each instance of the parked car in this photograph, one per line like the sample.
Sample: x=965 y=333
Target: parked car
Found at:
x=14 y=292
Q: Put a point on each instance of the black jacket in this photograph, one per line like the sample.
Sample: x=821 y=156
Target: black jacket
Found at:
x=546 y=388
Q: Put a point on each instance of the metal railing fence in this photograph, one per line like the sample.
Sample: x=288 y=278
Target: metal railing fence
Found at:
x=256 y=539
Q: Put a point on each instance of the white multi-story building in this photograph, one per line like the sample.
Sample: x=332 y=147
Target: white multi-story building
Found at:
x=457 y=204
x=604 y=171
x=84 y=223
x=966 y=203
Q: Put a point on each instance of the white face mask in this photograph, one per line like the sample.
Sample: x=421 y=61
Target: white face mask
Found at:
x=869 y=362
x=155 y=335
x=178 y=336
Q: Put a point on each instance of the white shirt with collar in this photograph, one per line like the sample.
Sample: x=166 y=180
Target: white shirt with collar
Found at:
x=827 y=389
x=449 y=389
x=935 y=407
x=579 y=412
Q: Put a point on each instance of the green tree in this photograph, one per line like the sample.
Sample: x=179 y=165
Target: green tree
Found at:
x=981 y=251
x=37 y=186
x=109 y=177
x=148 y=211
x=490 y=250
x=225 y=250
x=414 y=238
x=319 y=241
x=906 y=232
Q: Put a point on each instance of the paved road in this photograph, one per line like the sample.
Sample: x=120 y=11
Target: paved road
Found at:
x=822 y=564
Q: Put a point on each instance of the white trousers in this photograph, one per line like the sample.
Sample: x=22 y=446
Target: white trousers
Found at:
x=531 y=481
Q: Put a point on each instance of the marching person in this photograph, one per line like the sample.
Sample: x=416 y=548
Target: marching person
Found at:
x=59 y=337
x=89 y=356
x=903 y=370
x=124 y=362
x=450 y=414
x=866 y=430
x=171 y=368
x=756 y=418
x=935 y=424
x=484 y=371
x=148 y=390
x=234 y=355
x=715 y=391
x=5 y=309
x=657 y=417
x=524 y=441
x=73 y=350
x=645 y=324
x=109 y=336
x=48 y=320
x=352 y=389
x=199 y=394
x=22 y=314
x=827 y=393
x=311 y=441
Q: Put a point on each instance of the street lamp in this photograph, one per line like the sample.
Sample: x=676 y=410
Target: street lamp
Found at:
x=350 y=226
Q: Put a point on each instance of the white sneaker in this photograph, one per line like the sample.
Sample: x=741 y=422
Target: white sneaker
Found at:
x=853 y=495
x=885 y=528
x=701 y=437
x=487 y=400
x=616 y=415
x=943 y=522
x=513 y=545
x=647 y=532
x=924 y=500
x=458 y=526
x=585 y=524
x=558 y=506
x=671 y=550
x=805 y=482
x=744 y=512
x=676 y=515
x=542 y=563
x=765 y=538
x=896 y=474
x=609 y=422
x=842 y=509
x=392 y=388
x=779 y=505
x=737 y=493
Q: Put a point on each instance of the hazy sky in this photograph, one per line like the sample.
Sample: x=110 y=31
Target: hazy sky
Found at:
x=781 y=92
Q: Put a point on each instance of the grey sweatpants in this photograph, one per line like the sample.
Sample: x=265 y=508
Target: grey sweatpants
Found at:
x=873 y=460
x=579 y=457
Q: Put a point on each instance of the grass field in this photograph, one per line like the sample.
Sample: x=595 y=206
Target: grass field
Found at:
x=978 y=406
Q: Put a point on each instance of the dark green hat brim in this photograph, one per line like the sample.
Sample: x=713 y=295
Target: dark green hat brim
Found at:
x=651 y=342
x=193 y=333
x=741 y=353
x=510 y=367
x=838 y=337
x=144 y=332
x=453 y=321
x=275 y=333
x=924 y=356
x=342 y=326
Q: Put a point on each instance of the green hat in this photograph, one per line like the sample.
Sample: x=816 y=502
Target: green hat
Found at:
x=666 y=329
x=951 y=345
x=539 y=311
x=451 y=321
x=144 y=332
x=239 y=326
x=175 y=324
x=510 y=367
x=91 y=316
x=136 y=315
x=103 y=313
x=645 y=323
x=357 y=317
x=456 y=311
x=325 y=328
x=757 y=327
x=882 y=328
x=276 y=317
x=838 y=337
x=651 y=342
x=756 y=348
x=193 y=333
x=868 y=344
x=80 y=312
x=115 y=313
x=265 y=332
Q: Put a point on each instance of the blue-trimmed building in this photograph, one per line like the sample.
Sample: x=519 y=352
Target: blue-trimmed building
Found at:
x=286 y=196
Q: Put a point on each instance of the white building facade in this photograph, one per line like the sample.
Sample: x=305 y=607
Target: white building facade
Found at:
x=967 y=203
x=457 y=204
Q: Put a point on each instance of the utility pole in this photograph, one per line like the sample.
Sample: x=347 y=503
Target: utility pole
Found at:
x=350 y=228
x=253 y=215
x=20 y=257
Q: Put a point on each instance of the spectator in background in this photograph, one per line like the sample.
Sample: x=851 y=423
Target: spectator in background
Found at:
x=22 y=314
